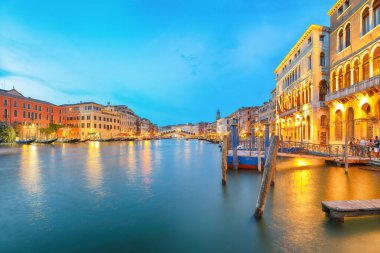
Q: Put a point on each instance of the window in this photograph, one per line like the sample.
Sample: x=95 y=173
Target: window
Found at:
x=309 y=62
x=24 y=114
x=376 y=61
x=348 y=35
x=82 y=125
x=29 y=106
x=347 y=76
x=340 y=40
x=322 y=37
x=365 y=21
x=15 y=104
x=15 y=113
x=88 y=125
x=82 y=117
x=356 y=71
x=338 y=125
x=5 y=102
x=376 y=12
x=322 y=90
x=340 y=79
x=309 y=40
x=340 y=10
x=322 y=59
x=88 y=117
x=347 y=4
x=366 y=67
x=5 y=113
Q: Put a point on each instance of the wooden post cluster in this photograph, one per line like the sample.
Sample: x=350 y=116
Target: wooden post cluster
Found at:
x=267 y=177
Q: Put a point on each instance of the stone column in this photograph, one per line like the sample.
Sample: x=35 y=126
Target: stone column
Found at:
x=352 y=76
x=360 y=72
x=337 y=83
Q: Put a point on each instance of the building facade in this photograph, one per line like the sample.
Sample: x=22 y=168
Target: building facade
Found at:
x=222 y=126
x=354 y=98
x=26 y=114
x=301 y=87
x=89 y=120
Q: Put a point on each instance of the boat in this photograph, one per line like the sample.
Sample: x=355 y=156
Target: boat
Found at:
x=84 y=140
x=246 y=159
x=74 y=140
x=50 y=141
x=26 y=142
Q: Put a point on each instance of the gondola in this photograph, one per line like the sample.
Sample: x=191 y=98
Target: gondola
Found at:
x=26 y=142
x=84 y=140
x=50 y=141
x=74 y=140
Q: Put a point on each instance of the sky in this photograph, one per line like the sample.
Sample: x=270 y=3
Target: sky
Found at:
x=170 y=61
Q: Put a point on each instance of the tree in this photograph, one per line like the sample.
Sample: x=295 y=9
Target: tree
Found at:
x=7 y=133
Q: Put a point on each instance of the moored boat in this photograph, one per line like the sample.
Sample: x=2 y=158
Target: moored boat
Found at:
x=49 y=141
x=246 y=159
x=26 y=142
x=73 y=140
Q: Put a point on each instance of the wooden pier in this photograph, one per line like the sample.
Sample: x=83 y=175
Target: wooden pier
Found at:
x=338 y=210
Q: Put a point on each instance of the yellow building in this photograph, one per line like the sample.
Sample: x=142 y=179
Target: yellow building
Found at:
x=354 y=98
x=90 y=120
x=301 y=86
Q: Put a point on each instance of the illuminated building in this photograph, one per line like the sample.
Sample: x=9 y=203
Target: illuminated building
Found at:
x=128 y=119
x=89 y=120
x=301 y=87
x=267 y=113
x=354 y=98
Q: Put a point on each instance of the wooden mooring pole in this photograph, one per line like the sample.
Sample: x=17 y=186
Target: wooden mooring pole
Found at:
x=224 y=160
x=259 y=154
x=346 y=154
x=267 y=177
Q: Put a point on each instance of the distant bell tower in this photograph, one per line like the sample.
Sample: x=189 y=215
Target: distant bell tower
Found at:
x=218 y=115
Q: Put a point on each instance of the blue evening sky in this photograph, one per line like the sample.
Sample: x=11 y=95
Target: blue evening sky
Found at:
x=171 y=61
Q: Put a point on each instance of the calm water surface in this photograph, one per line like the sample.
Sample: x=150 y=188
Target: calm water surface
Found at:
x=166 y=196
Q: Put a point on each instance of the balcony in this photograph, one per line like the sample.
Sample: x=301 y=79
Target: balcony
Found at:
x=366 y=86
x=288 y=112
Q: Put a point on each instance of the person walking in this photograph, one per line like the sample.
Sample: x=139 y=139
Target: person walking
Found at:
x=376 y=147
x=362 y=146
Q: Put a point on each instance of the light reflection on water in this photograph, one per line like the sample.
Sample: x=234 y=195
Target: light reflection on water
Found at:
x=166 y=196
x=30 y=178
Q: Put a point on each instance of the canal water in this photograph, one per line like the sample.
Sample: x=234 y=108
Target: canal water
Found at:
x=166 y=196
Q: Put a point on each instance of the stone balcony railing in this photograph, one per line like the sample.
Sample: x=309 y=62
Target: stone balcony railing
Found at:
x=371 y=83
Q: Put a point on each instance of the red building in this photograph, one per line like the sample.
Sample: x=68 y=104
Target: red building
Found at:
x=19 y=110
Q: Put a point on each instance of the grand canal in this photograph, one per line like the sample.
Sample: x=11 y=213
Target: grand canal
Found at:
x=166 y=196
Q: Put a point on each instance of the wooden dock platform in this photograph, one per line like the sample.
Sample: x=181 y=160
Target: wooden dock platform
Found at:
x=338 y=210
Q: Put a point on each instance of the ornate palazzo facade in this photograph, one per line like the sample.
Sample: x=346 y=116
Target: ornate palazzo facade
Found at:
x=354 y=98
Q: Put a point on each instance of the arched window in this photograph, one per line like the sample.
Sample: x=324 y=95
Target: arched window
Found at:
x=365 y=21
x=308 y=128
x=366 y=67
x=376 y=61
x=322 y=90
x=340 y=40
x=356 y=71
x=340 y=79
x=322 y=59
x=347 y=76
x=348 y=35
x=376 y=12
x=333 y=82
x=338 y=125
